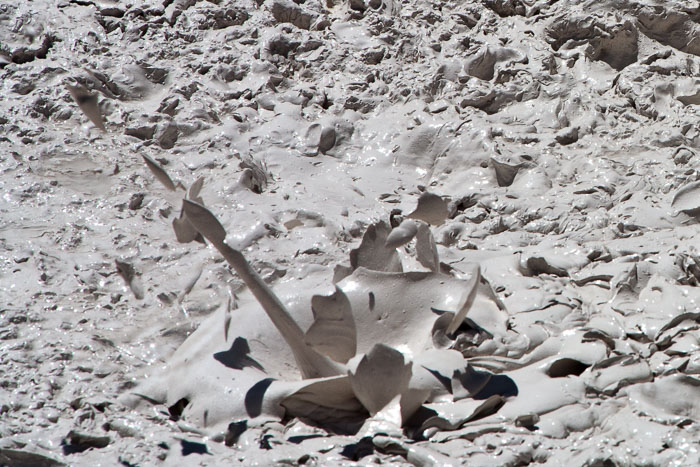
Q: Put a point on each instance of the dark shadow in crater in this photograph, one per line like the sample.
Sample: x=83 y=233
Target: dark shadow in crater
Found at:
x=357 y=451
x=301 y=438
x=238 y=356
x=500 y=385
x=255 y=395
x=191 y=447
x=235 y=430
x=177 y=408
x=566 y=367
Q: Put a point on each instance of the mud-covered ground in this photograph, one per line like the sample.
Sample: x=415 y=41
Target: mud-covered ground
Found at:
x=563 y=134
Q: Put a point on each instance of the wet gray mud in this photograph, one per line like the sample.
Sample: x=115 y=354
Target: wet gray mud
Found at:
x=426 y=233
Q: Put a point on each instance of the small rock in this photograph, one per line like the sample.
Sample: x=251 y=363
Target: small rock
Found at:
x=319 y=139
x=77 y=441
x=373 y=57
x=682 y=156
x=23 y=87
x=265 y=101
x=166 y=134
x=232 y=72
x=19 y=458
x=136 y=201
x=124 y=429
x=168 y=106
x=358 y=5
x=527 y=420
x=567 y=136
x=52 y=415
x=220 y=18
x=115 y=11
x=286 y=11
x=438 y=106
x=282 y=45
x=105 y=369
x=327 y=140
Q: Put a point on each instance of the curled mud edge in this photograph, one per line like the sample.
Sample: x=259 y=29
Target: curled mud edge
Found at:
x=264 y=232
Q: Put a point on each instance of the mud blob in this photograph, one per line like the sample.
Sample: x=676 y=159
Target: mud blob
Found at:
x=370 y=342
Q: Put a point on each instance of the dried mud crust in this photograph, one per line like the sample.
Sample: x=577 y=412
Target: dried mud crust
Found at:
x=562 y=136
